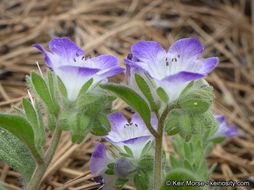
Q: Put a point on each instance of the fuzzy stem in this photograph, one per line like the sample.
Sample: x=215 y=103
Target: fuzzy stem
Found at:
x=158 y=147
x=41 y=168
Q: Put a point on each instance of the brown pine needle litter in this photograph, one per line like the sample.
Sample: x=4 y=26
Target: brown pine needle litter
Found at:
x=225 y=28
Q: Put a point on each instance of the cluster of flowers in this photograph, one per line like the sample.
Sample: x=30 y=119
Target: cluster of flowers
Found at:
x=172 y=71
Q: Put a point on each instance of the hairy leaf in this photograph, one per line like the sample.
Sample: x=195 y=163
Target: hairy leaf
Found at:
x=21 y=128
x=145 y=89
x=131 y=98
x=16 y=154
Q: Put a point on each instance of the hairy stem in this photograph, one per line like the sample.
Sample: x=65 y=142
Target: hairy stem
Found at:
x=158 y=147
x=41 y=168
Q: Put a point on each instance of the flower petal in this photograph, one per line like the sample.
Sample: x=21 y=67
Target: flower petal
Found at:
x=103 y=62
x=224 y=130
x=182 y=77
x=186 y=48
x=138 y=120
x=110 y=72
x=148 y=51
x=48 y=56
x=99 y=159
x=205 y=66
x=74 y=78
x=65 y=48
x=137 y=65
x=175 y=84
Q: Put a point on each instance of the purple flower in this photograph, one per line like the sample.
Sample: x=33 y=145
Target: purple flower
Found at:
x=69 y=63
x=99 y=165
x=224 y=130
x=133 y=134
x=171 y=70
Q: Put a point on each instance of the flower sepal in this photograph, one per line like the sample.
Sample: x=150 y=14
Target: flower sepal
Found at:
x=218 y=140
x=45 y=87
x=80 y=126
x=145 y=87
x=197 y=98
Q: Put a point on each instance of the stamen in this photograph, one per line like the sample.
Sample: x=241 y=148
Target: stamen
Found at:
x=136 y=125
x=167 y=62
x=74 y=60
x=178 y=56
x=174 y=60
x=83 y=57
x=77 y=54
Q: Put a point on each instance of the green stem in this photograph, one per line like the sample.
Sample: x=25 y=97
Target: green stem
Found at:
x=158 y=147
x=157 y=162
x=151 y=130
x=41 y=168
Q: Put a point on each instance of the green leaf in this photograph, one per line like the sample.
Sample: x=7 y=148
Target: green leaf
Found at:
x=128 y=150
x=43 y=91
x=40 y=123
x=195 y=105
x=185 y=124
x=145 y=89
x=146 y=163
x=197 y=98
x=147 y=147
x=16 y=154
x=121 y=182
x=131 y=98
x=111 y=166
x=197 y=124
x=218 y=140
x=124 y=154
x=21 y=128
x=79 y=127
x=52 y=121
x=180 y=175
x=20 y=111
x=187 y=151
x=187 y=165
x=109 y=172
x=187 y=88
x=37 y=123
x=100 y=125
x=162 y=94
x=30 y=83
x=141 y=180
x=52 y=83
x=61 y=87
x=175 y=162
x=173 y=131
x=172 y=124
x=85 y=87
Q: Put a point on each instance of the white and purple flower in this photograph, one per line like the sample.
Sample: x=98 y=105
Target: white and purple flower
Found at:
x=132 y=134
x=98 y=166
x=69 y=63
x=224 y=130
x=172 y=70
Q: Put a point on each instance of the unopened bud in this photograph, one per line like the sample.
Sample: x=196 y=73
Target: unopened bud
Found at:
x=122 y=167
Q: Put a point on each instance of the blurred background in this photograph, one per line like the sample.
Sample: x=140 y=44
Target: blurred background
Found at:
x=225 y=28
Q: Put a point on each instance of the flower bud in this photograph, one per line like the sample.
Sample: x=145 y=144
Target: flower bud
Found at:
x=122 y=167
